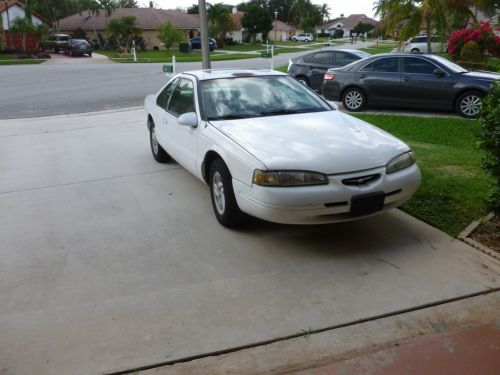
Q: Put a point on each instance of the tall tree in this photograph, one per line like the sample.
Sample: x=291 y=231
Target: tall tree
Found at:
x=257 y=20
x=218 y=16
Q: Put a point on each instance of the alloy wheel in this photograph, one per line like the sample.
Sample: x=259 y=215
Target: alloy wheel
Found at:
x=218 y=193
x=471 y=105
x=353 y=99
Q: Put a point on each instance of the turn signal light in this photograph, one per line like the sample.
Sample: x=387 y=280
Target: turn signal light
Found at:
x=329 y=76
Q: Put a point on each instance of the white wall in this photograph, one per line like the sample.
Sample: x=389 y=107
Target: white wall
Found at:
x=14 y=12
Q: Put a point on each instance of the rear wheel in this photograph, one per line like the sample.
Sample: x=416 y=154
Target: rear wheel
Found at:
x=354 y=99
x=415 y=50
x=159 y=154
x=469 y=104
x=224 y=203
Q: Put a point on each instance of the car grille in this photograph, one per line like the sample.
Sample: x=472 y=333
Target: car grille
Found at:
x=361 y=180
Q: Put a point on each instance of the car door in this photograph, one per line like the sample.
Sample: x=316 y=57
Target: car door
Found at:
x=158 y=112
x=421 y=87
x=317 y=65
x=181 y=140
x=381 y=81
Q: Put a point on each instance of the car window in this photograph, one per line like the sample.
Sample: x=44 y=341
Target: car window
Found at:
x=257 y=96
x=344 y=58
x=182 y=100
x=321 y=58
x=418 y=66
x=162 y=99
x=385 y=65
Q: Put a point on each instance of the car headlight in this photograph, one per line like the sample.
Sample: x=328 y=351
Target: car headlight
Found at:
x=288 y=178
x=400 y=162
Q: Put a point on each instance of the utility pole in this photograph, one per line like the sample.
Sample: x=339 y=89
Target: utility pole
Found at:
x=205 y=53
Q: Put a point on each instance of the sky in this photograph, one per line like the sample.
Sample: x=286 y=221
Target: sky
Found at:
x=337 y=6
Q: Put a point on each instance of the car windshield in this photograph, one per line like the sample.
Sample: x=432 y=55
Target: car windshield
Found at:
x=256 y=96
x=450 y=65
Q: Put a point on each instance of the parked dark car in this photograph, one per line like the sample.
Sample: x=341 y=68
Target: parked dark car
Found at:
x=408 y=80
x=77 y=47
x=54 y=43
x=196 y=43
x=310 y=69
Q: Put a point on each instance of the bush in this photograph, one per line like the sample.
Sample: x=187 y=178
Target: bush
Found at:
x=185 y=47
x=489 y=141
x=474 y=65
x=472 y=53
x=79 y=34
x=483 y=35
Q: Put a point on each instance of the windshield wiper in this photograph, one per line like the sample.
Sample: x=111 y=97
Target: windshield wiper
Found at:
x=232 y=116
x=291 y=111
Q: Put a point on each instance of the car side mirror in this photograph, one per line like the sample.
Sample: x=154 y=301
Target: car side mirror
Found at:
x=333 y=105
x=188 y=119
x=439 y=73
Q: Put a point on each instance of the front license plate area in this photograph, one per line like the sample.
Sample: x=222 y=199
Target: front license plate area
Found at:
x=366 y=204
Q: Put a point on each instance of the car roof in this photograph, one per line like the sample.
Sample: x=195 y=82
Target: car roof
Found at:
x=208 y=74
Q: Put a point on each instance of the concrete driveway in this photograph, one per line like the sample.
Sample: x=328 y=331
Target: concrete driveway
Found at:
x=111 y=261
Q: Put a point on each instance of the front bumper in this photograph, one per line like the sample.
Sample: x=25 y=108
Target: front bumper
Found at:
x=325 y=203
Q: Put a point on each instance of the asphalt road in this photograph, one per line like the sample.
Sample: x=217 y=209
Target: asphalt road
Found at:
x=76 y=87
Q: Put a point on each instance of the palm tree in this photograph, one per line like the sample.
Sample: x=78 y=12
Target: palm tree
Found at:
x=218 y=15
x=125 y=29
x=24 y=26
x=325 y=12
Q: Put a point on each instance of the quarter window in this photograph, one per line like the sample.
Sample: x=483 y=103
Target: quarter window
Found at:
x=162 y=99
x=182 y=100
x=321 y=58
x=418 y=66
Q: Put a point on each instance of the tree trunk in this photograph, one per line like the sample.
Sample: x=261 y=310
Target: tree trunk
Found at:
x=24 y=42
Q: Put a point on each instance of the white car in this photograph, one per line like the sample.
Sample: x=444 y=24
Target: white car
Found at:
x=302 y=37
x=419 y=45
x=270 y=147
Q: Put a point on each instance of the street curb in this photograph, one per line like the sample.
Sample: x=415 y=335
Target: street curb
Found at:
x=464 y=236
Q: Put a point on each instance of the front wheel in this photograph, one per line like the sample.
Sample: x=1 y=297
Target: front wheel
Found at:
x=415 y=50
x=303 y=80
x=469 y=104
x=354 y=99
x=90 y=54
x=159 y=154
x=224 y=203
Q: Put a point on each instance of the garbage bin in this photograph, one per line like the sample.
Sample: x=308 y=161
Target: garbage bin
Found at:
x=185 y=47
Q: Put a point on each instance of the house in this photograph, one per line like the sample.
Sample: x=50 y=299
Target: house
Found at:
x=9 y=11
x=346 y=24
x=237 y=33
x=148 y=19
x=281 y=31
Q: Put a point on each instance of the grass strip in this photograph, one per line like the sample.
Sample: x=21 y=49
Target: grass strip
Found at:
x=454 y=186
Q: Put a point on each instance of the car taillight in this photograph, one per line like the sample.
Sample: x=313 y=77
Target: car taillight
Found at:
x=329 y=76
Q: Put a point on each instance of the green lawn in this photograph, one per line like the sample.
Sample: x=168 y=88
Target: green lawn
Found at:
x=454 y=187
x=381 y=48
x=164 y=56
x=6 y=59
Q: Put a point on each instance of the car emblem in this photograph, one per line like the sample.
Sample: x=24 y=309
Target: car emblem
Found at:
x=360 y=180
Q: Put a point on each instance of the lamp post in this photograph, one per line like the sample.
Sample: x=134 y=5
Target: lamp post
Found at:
x=204 y=34
x=275 y=24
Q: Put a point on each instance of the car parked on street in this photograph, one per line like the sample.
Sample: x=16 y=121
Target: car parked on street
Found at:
x=419 y=45
x=269 y=147
x=408 y=80
x=302 y=37
x=310 y=69
x=54 y=43
x=77 y=47
x=196 y=43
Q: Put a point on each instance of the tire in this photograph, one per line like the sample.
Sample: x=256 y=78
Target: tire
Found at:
x=294 y=39
x=469 y=104
x=303 y=80
x=90 y=54
x=307 y=40
x=354 y=99
x=159 y=154
x=226 y=209
x=415 y=50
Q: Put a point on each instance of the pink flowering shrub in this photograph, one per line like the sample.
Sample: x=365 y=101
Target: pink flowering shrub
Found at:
x=482 y=35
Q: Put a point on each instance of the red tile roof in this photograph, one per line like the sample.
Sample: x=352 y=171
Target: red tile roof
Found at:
x=146 y=18
x=282 y=26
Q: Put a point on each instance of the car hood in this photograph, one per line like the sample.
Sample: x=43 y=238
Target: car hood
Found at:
x=489 y=76
x=327 y=142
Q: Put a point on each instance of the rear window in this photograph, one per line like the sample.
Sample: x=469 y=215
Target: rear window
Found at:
x=385 y=65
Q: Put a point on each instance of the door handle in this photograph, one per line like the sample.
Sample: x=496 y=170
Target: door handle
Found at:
x=164 y=120
x=406 y=79
x=362 y=76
